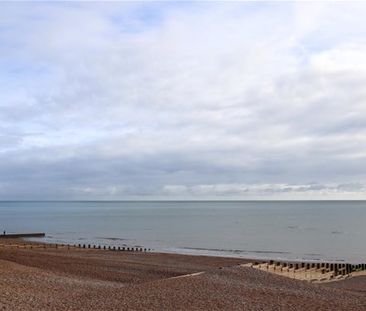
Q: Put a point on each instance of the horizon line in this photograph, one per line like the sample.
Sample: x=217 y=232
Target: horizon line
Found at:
x=195 y=200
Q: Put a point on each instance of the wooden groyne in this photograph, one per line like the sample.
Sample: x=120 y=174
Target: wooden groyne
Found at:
x=22 y=235
x=310 y=271
x=75 y=246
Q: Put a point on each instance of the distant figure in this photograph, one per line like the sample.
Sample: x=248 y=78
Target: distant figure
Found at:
x=4 y=232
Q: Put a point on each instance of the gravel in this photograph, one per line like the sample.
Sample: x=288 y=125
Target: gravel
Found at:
x=48 y=279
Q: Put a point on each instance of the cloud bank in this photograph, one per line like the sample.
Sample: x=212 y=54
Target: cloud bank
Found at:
x=192 y=100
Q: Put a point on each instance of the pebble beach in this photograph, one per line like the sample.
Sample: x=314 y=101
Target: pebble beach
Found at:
x=62 y=279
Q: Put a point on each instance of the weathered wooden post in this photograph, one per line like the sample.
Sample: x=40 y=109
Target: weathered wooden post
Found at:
x=348 y=268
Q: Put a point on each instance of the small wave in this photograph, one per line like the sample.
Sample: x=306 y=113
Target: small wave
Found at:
x=110 y=239
x=269 y=252
x=336 y=232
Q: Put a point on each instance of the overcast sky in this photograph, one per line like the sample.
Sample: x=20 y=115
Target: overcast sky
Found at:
x=182 y=101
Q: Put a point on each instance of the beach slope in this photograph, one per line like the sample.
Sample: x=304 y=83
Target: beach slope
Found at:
x=61 y=279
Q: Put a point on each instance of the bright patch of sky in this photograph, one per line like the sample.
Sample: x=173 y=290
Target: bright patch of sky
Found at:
x=188 y=100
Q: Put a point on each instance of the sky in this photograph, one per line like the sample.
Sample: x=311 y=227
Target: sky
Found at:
x=189 y=100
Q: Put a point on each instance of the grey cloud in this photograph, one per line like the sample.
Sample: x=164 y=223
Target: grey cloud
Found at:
x=351 y=187
x=182 y=105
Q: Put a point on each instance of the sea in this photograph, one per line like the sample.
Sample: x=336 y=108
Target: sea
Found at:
x=293 y=230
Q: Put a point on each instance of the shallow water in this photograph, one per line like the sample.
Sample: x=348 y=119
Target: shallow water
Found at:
x=327 y=230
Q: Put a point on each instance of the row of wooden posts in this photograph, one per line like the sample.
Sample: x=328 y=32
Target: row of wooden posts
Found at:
x=111 y=248
x=81 y=246
x=322 y=267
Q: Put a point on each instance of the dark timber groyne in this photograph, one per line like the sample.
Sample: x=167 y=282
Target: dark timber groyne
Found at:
x=74 y=246
x=310 y=271
x=22 y=235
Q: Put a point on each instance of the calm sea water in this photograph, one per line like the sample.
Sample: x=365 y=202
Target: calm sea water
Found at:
x=328 y=230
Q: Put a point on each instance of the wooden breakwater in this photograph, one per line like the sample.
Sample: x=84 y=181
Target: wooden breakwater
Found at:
x=75 y=246
x=22 y=235
x=110 y=248
x=310 y=271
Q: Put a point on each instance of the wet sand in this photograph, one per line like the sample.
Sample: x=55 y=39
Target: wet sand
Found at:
x=61 y=279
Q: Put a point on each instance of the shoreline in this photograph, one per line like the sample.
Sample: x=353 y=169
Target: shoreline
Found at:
x=239 y=254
